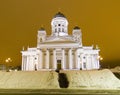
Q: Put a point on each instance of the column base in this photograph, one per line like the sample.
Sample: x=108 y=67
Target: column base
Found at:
x=69 y=69
x=46 y=70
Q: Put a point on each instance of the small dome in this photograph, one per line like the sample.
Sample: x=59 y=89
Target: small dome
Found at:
x=59 y=14
x=41 y=29
x=76 y=27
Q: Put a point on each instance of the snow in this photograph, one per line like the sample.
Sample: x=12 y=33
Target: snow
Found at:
x=29 y=80
x=116 y=69
x=92 y=79
x=49 y=79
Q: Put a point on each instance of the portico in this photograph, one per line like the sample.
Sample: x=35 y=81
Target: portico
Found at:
x=55 y=56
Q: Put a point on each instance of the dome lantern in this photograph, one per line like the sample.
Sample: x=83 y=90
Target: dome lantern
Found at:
x=59 y=25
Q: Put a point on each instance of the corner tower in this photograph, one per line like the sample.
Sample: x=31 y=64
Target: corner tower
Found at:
x=77 y=35
x=41 y=37
x=59 y=25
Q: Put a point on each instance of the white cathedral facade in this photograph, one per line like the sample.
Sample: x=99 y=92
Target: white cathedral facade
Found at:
x=60 y=51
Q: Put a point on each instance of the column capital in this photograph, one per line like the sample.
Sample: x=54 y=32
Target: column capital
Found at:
x=70 y=48
x=76 y=49
x=54 y=48
x=23 y=55
x=47 y=49
x=40 y=49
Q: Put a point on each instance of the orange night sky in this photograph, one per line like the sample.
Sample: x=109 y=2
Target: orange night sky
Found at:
x=98 y=19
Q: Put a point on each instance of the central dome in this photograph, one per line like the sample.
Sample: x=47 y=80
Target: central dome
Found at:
x=59 y=14
x=59 y=25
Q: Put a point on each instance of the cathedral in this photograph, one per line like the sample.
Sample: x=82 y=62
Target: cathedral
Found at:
x=60 y=50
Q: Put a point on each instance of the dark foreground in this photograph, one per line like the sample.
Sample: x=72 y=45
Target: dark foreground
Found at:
x=58 y=92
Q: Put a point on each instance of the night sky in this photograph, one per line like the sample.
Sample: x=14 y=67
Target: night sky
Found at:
x=21 y=19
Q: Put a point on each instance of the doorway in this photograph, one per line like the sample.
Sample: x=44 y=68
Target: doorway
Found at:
x=58 y=65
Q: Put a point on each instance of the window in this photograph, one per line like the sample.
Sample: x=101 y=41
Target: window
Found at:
x=40 y=39
x=59 y=25
x=84 y=57
x=35 y=67
x=62 y=29
x=84 y=64
x=55 y=30
x=59 y=30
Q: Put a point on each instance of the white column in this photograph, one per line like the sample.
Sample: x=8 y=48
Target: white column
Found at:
x=54 y=59
x=92 y=62
x=81 y=59
x=84 y=67
x=40 y=59
x=76 y=59
x=70 y=58
x=98 y=64
x=27 y=63
x=87 y=62
x=31 y=63
x=23 y=63
x=47 y=59
x=96 y=61
x=63 y=59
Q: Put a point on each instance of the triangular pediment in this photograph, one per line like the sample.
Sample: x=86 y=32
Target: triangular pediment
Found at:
x=56 y=39
x=59 y=40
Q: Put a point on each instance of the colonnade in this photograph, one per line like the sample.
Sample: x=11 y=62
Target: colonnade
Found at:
x=67 y=57
x=70 y=59
x=90 y=62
